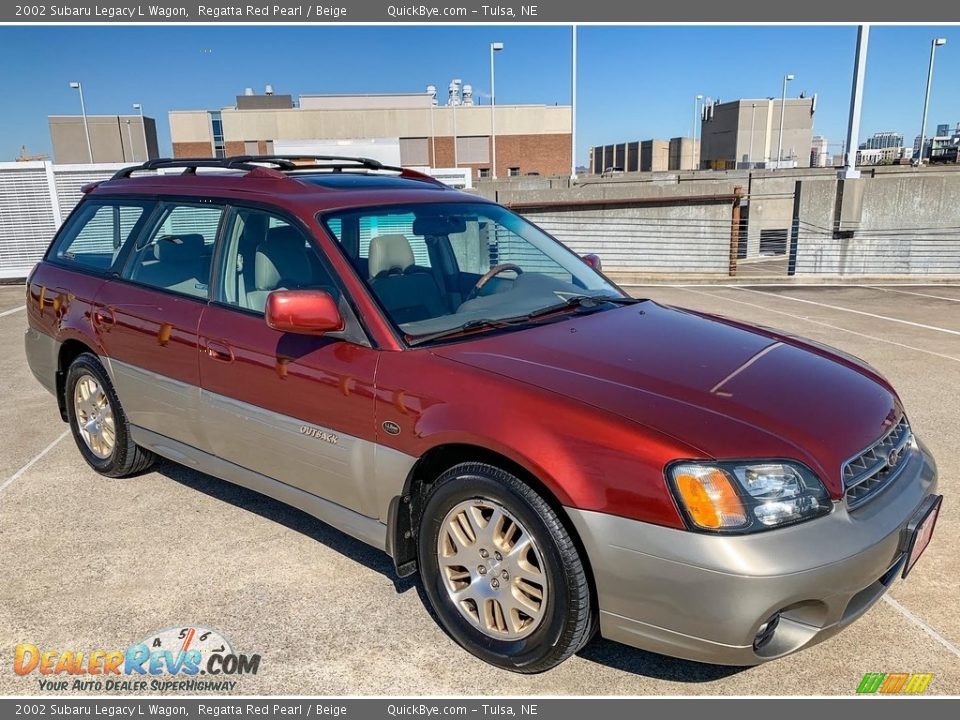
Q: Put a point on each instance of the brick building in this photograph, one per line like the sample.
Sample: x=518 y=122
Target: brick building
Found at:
x=408 y=129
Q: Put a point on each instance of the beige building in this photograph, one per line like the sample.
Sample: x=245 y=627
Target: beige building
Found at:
x=746 y=134
x=678 y=153
x=113 y=139
x=530 y=139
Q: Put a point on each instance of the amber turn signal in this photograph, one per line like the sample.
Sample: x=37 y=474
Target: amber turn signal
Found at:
x=709 y=497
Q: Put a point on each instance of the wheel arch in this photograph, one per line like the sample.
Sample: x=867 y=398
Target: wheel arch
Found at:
x=70 y=350
x=405 y=510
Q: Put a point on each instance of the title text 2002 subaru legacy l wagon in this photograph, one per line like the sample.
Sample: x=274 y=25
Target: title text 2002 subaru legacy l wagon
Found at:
x=432 y=374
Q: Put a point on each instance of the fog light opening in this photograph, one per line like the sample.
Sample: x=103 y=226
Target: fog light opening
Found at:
x=766 y=632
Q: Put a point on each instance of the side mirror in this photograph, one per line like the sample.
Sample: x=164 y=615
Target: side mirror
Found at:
x=304 y=312
x=593 y=261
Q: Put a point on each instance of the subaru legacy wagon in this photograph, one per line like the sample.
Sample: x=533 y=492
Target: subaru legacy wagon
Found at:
x=431 y=373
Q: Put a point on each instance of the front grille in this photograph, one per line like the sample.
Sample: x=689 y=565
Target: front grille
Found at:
x=872 y=470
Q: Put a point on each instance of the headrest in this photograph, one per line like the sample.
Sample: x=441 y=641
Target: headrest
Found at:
x=282 y=260
x=176 y=249
x=389 y=252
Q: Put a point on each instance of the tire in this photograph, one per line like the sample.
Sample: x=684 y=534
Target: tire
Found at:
x=107 y=446
x=526 y=634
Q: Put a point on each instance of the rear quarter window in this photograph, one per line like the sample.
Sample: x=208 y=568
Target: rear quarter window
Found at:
x=98 y=231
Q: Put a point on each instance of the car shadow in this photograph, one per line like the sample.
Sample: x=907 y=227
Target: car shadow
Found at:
x=289 y=517
x=598 y=650
x=653 y=665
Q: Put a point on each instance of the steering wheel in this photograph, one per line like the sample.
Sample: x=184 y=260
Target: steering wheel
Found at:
x=490 y=274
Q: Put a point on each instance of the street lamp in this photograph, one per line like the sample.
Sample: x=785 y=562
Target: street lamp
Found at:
x=934 y=44
x=133 y=154
x=143 y=126
x=495 y=47
x=83 y=110
x=455 y=100
x=783 y=112
x=693 y=143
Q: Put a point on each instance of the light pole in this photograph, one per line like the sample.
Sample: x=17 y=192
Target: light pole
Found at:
x=693 y=143
x=573 y=104
x=432 y=92
x=143 y=127
x=133 y=155
x=83 y=111
x=455 y=100
x=849 y=171
x=495 y=47
x=934 y=44
x=783 y=112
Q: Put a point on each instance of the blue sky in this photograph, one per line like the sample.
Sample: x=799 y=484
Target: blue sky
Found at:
x=633 y=82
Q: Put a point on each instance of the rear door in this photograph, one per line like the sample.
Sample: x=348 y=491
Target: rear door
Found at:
x=148 y=319
x=295 y=408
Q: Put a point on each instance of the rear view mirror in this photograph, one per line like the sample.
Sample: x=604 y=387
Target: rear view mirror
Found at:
x=439 y=225
x=303 y=312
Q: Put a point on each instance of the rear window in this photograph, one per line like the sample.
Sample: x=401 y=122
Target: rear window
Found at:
x=98 y=231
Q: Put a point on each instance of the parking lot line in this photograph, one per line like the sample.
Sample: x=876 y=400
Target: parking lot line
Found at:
x=11 y=311
x=36 y=458
x=907 y=292
x=849 y=310
x=820 y=322
x=922 y=625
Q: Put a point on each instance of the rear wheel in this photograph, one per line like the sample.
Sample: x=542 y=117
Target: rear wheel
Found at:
x=501 y=571
x=98 y=423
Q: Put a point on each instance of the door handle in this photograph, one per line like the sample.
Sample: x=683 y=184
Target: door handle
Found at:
x=104 y=317
x=219 y=351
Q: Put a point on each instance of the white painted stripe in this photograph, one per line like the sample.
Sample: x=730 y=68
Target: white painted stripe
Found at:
x=922 y=625
x=12 y=311
x=824 y=324
x=849 y=310
x=905 y=292
x=36 y=458
x=847 y=285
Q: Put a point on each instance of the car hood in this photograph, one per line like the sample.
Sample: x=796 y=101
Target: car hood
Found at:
x=726 y=389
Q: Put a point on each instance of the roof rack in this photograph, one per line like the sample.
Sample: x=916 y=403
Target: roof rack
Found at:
x=190 y=165
x=283 y=163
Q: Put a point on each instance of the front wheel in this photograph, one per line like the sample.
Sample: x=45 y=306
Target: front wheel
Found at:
x=98 y=423
x=501 y=571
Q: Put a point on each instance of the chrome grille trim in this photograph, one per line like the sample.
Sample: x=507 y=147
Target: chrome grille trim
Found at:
x=869 y=472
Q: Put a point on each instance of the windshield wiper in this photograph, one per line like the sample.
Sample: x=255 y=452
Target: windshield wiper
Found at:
x=480 y=324
x=583 y=301
x=576 y=301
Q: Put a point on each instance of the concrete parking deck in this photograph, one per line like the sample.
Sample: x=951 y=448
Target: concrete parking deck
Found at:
x=92 y=563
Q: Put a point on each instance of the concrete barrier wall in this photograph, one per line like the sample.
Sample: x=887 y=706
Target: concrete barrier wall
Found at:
x=887 y=225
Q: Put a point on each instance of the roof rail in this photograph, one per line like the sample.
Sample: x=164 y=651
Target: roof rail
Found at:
x=284 y=163
x=190 y=165
x=296 y=162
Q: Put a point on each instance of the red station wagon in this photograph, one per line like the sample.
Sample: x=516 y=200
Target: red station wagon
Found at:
x=434 y=375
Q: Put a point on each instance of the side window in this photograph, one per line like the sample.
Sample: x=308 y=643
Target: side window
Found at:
x=99 y=231
x=176 y=255
x=263 y=253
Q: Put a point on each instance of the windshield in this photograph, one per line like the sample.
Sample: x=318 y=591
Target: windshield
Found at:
x=436 y=267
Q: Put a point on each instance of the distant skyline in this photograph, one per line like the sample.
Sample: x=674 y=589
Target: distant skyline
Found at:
x=634 y=82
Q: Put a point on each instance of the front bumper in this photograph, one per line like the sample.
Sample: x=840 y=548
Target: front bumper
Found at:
x=705 y=597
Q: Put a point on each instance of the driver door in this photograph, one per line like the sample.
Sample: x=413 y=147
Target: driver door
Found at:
x=295 y=408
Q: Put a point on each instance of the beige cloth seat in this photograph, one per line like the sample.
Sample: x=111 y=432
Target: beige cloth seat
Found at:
x=409 y=293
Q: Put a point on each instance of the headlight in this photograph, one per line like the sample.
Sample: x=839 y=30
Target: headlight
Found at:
x=737 y=497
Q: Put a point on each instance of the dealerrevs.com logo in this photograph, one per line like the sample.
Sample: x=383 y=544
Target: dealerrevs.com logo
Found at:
x=189 y=658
